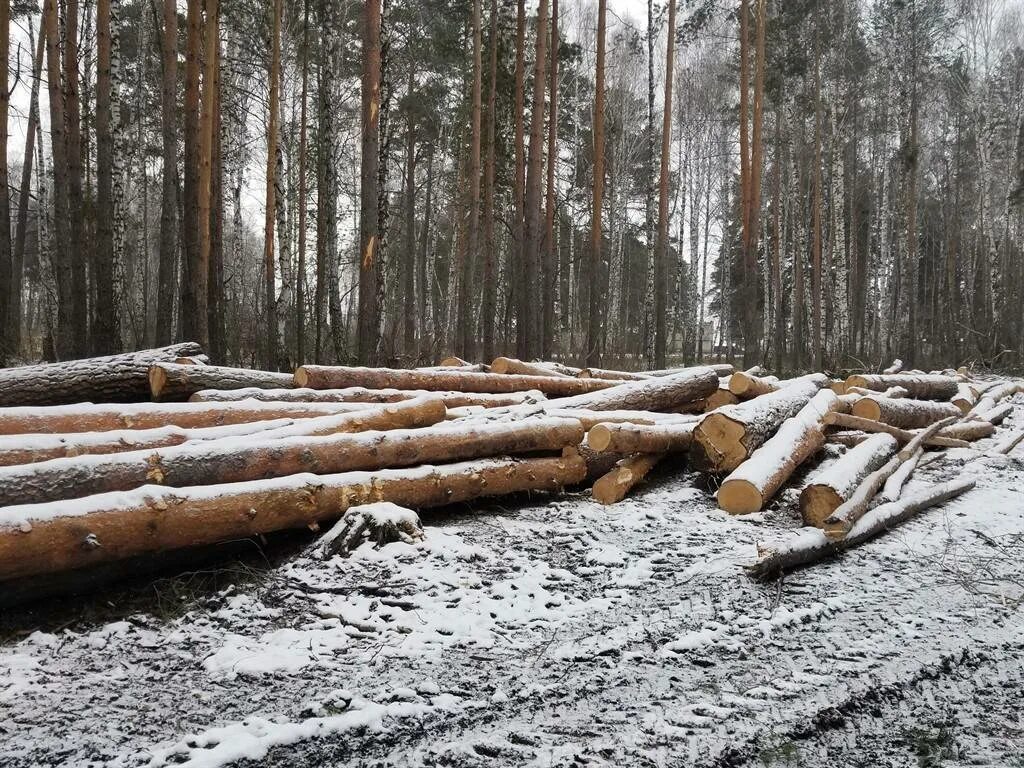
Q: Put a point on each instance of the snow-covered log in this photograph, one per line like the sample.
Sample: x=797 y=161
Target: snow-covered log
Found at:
x=519 y=367
x=87 y=417
x=1011 y=441
x=613 y=486
x=993 y=396
x=641 y=438
x=895 y=482
x=903 y=412
x=965 y=398
x=811 y=545
x=364 y=395
x=340 y=377
x=604 y=373
x=969 y=430
x=749 y=487
x=663 y=393
x=848 y=437
x=240 y=459
x=746 y=385
x=850 y=421
x=923 y=386
x=896 y=367
x=170 y=381
x=113 y=379
x=997 y=414
x=727 y=437
x=830 y=487
x=57 y=536
x=721 y=396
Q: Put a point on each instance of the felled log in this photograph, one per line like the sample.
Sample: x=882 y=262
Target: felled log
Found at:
x=903 y=413
x=747 y=385
x=193 y=360
x=840 y=522
x=811 y=545
x=896 y=367
x=623 y=477
x=170 y=381
x=662 y=393
x=728 y=436
x=72 y=534
x=965 y=397
x=893 y=486
x=851 y=438
x=512 y=365
x=895 y=392
x=604 y=373
x=922 y=386
x=969 y=430
x=363 y=395
x=589 y=419
x=720 y=369
x=829 y=488
x=236 y=459
x=750 y=486
x=992 y=397
x=640 y=438
x=113 y=379
x=904 y=436
x=87 y=417
x=599 y=463
x=721 y=396
x=328 y=377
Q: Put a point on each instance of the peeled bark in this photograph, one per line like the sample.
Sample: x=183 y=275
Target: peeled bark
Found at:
x=170 y=381
x=903 y=413
x=613 y=486
x=115 y=378
x=237 y=460
x=835 y=484
x=725 y=438
x=752 y=484
x=664 y=393
x=74 y=534
x=629 y=437
x=812 y=544
x=363 y=395
x=86 y=417
x=922 y=386
x=325 y=377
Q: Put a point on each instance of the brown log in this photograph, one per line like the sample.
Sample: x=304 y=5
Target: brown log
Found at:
x=664 y=393
x=457 y=362
x=239 y=459
x=838 y=386
x=718 y=398
x=86 y=417
x=194 y=360
x=599 y=463
x=725 y=438
x=604 y=373
x=614 y=486
x=750 y=486
x=746 y=385
x=811 y=545
x=639 y=438
x=829 y=488
x=112 y=379
x=363 y=395
x=903 y=413
x=511 y=365
x=170 y=381
x=922 y=386
x=72 y=534
x=327 y=377
x=904 y=436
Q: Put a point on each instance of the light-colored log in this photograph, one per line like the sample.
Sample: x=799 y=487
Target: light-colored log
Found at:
x=922 y=386
x=752 y=484
x=830 y=487
x=169 y=381
x=995 y=395
x=965 y=397
x=604 y=373
x=241 y=459
x=969 y=430
x=894 y=483
x=639 y=438
x=896 y=367
x=328 y=377
x=904 y=413
x=663 y=393
x=904 y=436
x=364 y=395
x=811 y=545
x=726 y=437
x=614 y=486
x=1011 y=441
x=58 y=536
x=746 y=385
x=511 y=365
x=848 y=437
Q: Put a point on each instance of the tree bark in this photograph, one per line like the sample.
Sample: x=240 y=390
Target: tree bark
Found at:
x=170 y=381
x=169 y=186
x=300 y=278
x=6 y=261
x=613 y=487
x=594 y=255
x=471 y=243
x=903 y=412
x=193 y=318
x=829 y=488
x=918 y=385
x=549 y=267
x=106 y=330
x=368 y=331
x=661 y=248
x=363 y=395
x=626 y=437
x=272 y=330
x=663 y=393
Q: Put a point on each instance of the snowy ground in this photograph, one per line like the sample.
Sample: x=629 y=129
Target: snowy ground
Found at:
x=557 y=633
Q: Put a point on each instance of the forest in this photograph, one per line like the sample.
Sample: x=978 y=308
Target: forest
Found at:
x=799 y=183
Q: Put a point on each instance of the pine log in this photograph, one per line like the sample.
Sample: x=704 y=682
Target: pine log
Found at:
x=663 y=393
x=194 y=360
x=838 y=386
x=992 y=397
x=599 y=463
x=457 y=362
x=113 y=379
x=721 y=396
x=1011 y=441
x=747 y=385
x=969 y=430
x=965 y=397
x=363 y=395
x=514 y=366
x=589 y=419
x=903 y=435
x=830 y=487
x=894 y=483
x=904 y=413
x=725 y=438
x=895 y=392
x=614 y=486
x=169 y=381
x=43 y=538
x=240 y=459
x=604 y=373
x=639 y=438
x=921 y=386
x=327 y=377
x=720 y=369
x=752 y=484
x=811 y=545
x=87 y=417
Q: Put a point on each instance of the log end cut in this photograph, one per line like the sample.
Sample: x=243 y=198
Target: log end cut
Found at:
x=817 y=503
x=867 y=408
x=739 y=497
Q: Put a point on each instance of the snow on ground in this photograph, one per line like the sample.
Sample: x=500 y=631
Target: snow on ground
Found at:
x=561 y=632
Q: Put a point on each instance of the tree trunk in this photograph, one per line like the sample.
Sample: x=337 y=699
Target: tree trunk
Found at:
x=273 y=115
x=6 y=263
x=368 y=333
x=549 y=267
x=904 y=413
x=300 y=278
x=193 y=318
x=207 y=123
x=595 y=258
x=169 y=187
x=517 y=278
x=364 y=395
x=489 y=287
x=816 y=236
x=106 y=329
x=661 y=248
x=76 y=198
x=663 y=393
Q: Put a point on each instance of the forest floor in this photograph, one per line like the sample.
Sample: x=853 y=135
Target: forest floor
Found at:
x=554 y=633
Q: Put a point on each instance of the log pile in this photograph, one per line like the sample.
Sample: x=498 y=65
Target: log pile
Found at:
x=96 y=464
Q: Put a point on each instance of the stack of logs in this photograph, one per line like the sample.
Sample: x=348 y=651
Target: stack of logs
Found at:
x=216 y=454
